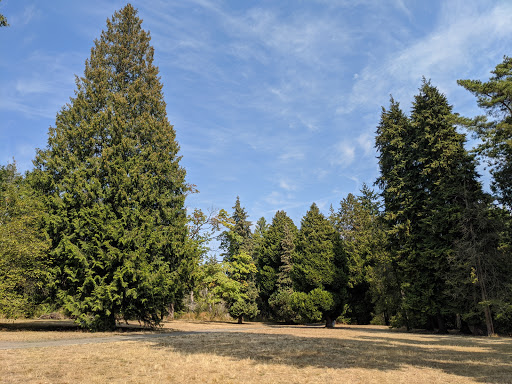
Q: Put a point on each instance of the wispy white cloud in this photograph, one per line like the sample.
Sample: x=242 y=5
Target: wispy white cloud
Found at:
x=287 y=185
x=292 y=154
x=44 y=86
x=365 y=141
x=448 y=53
x=343 y=154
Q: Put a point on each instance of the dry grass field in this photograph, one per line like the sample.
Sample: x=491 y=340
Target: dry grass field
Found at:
x=212 y=352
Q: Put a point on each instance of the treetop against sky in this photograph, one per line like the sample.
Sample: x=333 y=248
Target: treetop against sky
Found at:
x=277 y=102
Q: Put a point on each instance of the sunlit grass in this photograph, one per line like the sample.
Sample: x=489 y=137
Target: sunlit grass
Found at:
x=260 y=353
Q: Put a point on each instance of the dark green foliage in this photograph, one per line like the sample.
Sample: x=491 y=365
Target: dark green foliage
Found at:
x=260 y=229
x=240 y=291
x=495 y=96
x=393 y=141
x=238 y=287
x=319 y=270
x=114 y=188
x=492 y=248
x=238 y=237
x=23 y=246
x=357 y=222
x=280 y=300
x=315 y=305
x=269 y=258
x=423 y=167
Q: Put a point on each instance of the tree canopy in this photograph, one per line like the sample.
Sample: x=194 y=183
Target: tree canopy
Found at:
x=114 y=188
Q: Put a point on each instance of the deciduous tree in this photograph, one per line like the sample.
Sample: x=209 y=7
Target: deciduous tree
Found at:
x=23 y=246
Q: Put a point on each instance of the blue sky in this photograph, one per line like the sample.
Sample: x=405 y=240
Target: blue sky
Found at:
x=274 y=101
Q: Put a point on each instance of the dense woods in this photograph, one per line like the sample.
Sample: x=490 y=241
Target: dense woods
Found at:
x=99 y=231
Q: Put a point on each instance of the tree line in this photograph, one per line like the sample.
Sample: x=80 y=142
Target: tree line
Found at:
x=99 y=229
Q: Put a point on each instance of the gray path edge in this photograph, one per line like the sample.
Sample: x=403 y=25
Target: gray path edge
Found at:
x=110 y=339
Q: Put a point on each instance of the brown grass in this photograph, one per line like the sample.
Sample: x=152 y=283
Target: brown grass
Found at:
x=23 y=330
x=261 y=353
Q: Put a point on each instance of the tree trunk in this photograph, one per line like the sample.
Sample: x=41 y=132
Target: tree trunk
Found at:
x=240 y=319
x=171 y=311
x=488 y=320
x=487 y=310
x=441 y=324
x=480 y=274
x=329 y=323
x=112 y=320
x=386 y=318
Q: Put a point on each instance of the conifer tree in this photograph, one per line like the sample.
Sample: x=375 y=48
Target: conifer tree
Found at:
x=269 y=257
x=260 y=229
x=495 y=96
x=442 y=166
x=357 y=222
x=115 y=189
x=280 y=300
x=238 y=236
x=241 y=299
x=423 y=167
x=394 y=141
x=319 y=270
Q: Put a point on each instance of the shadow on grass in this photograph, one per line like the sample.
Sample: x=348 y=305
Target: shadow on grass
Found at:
x=38 y=325
x=65 y=326
x=483 y=360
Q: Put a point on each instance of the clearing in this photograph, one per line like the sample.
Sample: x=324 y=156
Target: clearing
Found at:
x=218 y=352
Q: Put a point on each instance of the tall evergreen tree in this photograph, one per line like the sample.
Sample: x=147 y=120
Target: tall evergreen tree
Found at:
x=269 y=257
x=280 y=300
x=433 y=168
x=115 y=189
x=238 y=236
x=357 y=222
x=260 y=229
x=319 y=270
x=495 y=96
x=242 y=299
x=443 y=166
x=394 y=141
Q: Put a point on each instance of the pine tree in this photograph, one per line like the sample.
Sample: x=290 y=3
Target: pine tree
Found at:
x=319 y=270
x=495 y=96
x=114 y=188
